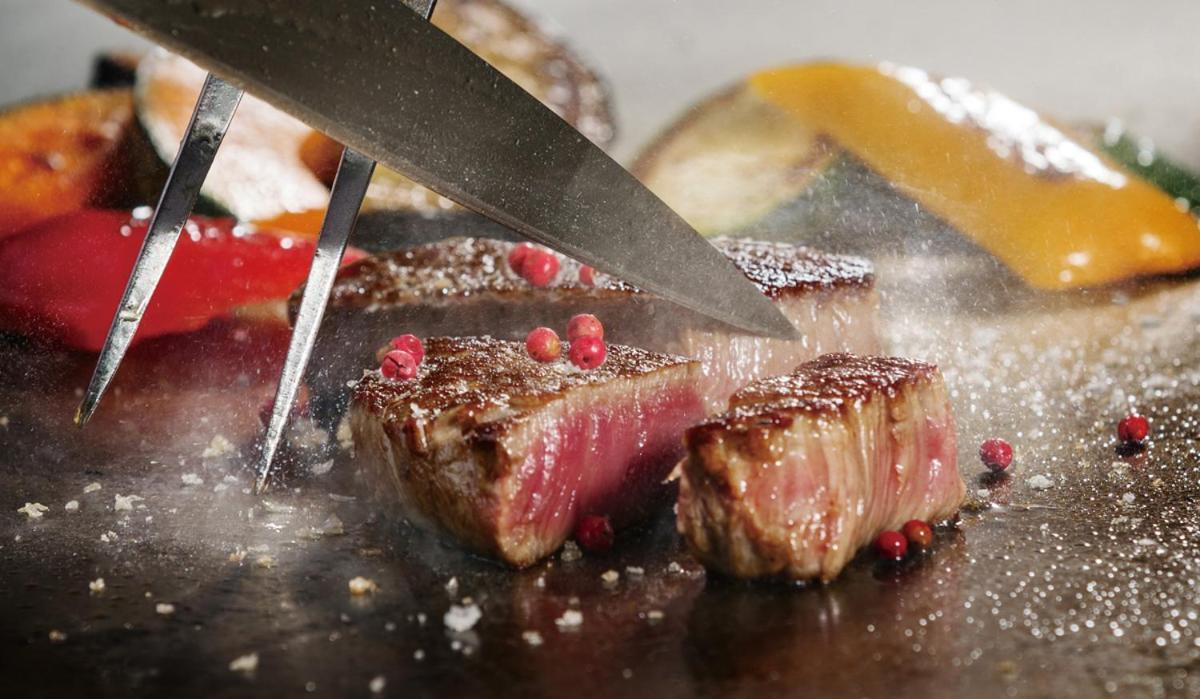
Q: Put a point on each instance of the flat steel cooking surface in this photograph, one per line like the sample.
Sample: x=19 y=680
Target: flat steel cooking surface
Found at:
x=1085 y=587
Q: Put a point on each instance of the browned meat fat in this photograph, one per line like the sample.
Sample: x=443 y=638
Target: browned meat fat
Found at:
x=806 y=468
x=463 y=286
x=505 y=454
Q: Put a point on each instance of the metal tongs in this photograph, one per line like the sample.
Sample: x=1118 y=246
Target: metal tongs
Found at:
x=379 y=78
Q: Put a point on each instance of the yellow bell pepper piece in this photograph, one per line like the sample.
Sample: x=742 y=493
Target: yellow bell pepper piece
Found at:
x=1058 y=213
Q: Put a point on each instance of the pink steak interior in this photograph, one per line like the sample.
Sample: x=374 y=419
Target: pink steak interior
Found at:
x=605 y=453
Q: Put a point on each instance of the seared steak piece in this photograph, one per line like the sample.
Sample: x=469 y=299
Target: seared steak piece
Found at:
x=506 y=454
x=806 y=468
x=463 y=286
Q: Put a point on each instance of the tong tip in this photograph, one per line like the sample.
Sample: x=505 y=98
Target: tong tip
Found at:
x=83 y=413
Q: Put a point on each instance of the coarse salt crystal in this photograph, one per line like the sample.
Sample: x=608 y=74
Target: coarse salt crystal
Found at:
x=610 y=577
x=164 y=608
x=377 y=684
x=244 y=663
x=57 y=636
x=71 y=506
x=452 y=586
x=533 y=638
x=635 y=571
x=219 y=446
x=267 y=562
x=33 y=510
x=654 y=615
x=360 y=586
x=462 y=618
x=92 y=487
x=1040 y=482
x=570 y=620
x=191 y=479
x=96 y=585
x=124 y=503
x=570 y=552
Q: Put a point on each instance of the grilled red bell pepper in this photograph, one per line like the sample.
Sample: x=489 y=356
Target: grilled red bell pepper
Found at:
x=62 y=279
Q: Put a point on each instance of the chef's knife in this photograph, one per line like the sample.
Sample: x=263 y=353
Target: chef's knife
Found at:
x=379 y=78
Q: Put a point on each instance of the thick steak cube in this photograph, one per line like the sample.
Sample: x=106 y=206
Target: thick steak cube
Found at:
x=505 y=454
x=806 y=468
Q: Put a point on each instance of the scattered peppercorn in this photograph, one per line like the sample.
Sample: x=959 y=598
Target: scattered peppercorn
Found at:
x=1133 y=429
x=919 y=534
x=588 y=352
x=891 y=545
x=584 y=325
x=543 y=345
x=517 y=257
x=996 y=454
x=539 y=267
x=587 y=275
x=398 y=364
x=594 y=533
x=411 y=344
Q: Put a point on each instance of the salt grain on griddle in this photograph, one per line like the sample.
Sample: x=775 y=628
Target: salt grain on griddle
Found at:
x=33 y=510
x=654 y=616
x=570 y=552
x=92 y=487
x=219 y=446
x=360 y=586
x=462 y=618
x=570 y=620
x=164 y=608
x=247 y=663
x=1040 y=482
x=191 y=479
x=533 y=638
x=610 y=577
x=377 y=684
x=125 y=503
x=57 y=636
x=71 y=506
x=635 y=571
x=96 y=585
x=452 y=587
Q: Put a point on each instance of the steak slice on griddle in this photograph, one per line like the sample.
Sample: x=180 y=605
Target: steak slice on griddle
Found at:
x=806 y=468
x=463 y=286
x=505 y=454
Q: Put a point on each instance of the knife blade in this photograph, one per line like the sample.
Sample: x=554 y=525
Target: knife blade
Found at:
x=380 y=79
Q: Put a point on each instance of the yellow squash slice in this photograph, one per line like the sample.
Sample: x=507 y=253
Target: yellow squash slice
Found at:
x=1043 y=201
